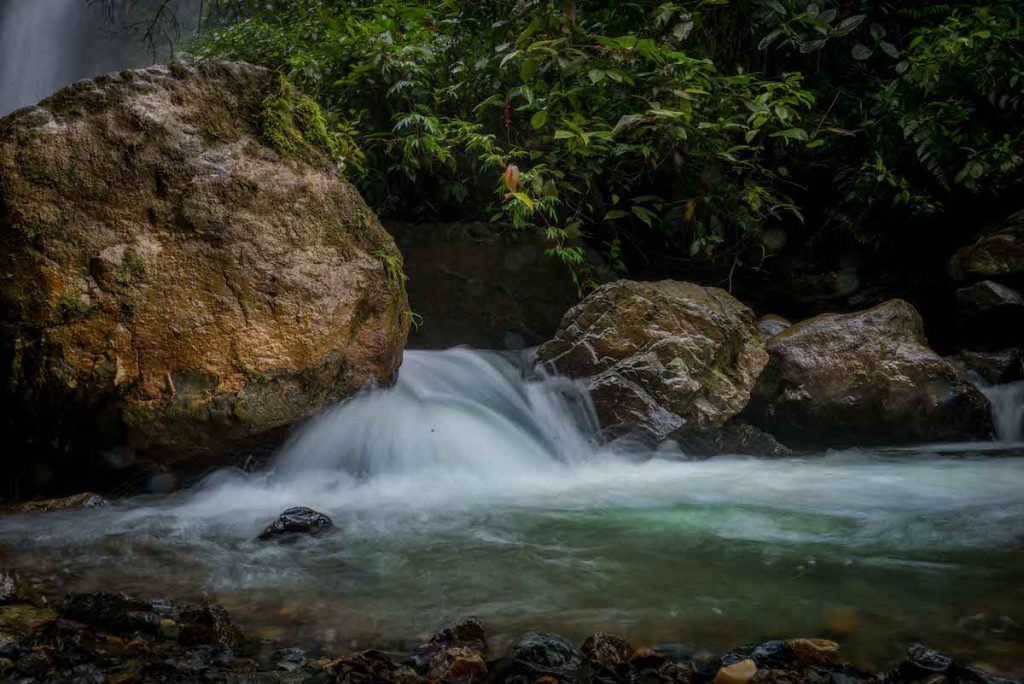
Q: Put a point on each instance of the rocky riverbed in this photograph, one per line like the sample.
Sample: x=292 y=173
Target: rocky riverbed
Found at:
x=109 y=636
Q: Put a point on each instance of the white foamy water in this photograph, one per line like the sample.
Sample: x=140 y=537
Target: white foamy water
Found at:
x=1007 y=410
x=475 y=487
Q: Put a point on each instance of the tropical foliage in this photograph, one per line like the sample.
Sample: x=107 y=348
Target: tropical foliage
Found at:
x=687 y=129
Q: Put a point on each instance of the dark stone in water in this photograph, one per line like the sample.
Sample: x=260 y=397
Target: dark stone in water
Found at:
x=298 y=520
x=289 y=659
x=14 y=588
x=644 y=658
x=468 y=634
x=545 y=655
x=922 y=661
x=606 y=649
x=115 y=611
x=206 y=623
x=765 y=655
x=371 y=666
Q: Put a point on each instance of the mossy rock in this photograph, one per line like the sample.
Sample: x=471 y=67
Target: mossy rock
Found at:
x=660 y=358
x=173 y=283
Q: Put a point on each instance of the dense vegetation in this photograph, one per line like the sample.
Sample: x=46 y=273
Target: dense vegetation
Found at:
x=659 y=132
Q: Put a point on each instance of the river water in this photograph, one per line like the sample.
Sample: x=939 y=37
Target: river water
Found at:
x=469 y=490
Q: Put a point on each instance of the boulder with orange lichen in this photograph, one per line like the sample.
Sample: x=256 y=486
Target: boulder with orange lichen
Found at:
x=173 y=282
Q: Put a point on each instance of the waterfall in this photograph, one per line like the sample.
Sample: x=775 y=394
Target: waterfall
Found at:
x=46 y=44
x=1007 y=403
x=457 y=410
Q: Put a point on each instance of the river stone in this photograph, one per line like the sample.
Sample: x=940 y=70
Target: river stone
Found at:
x=174 y=283
x=467 y=635
x=922 y=662
x=771 y=325
x=992 y=368
x=606 y=649
x=864 y=378
x=737 y=673
x=15 y=588
x=295 y=521
x=997 y=254
x=986 y=296
x=83 y=500
x=545 y=655
x=660 y=357
x=807 y=652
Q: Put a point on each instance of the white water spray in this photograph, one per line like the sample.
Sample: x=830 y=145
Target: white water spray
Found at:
x=458 y=410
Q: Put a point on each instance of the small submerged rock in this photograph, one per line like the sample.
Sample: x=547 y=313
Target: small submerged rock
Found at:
x=922 y=662
x=22 y=610
x=453 y=654
x=371 y=666
x=606 y=649
x=296 y=521
x=807 y=652
x=546 y=654
x=737 y=673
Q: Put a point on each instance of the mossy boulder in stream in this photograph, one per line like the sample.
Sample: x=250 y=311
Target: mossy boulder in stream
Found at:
x=864 y=378
x=171 y=281
x=660 y=358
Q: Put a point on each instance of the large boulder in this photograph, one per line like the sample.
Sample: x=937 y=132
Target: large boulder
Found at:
x=172 y=281
x=864 y=378
x=660 y=358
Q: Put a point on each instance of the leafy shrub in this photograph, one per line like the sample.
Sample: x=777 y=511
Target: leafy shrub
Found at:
x=684 y=129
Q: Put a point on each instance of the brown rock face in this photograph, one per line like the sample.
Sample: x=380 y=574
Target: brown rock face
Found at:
x=864 y=378
x=171 y=282
x=476 y=284
x=660 y=358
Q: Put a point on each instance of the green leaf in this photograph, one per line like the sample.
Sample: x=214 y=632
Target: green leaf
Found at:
x=850 y=23
x=861 y=52
x=769 y=39
x=812 y=45
x=508 y=57
x=791 y=134
x=596 y=75
x=524 y=198
x=889 y=49
x=615 y=214
x=627 y=121
x=538 y=119
x=644 y=214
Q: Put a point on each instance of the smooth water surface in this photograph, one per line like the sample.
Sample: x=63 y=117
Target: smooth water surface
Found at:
x=466 y=490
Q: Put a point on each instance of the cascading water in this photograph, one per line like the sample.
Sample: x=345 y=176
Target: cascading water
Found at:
x=1007 y=403
x=46 y=44
x=475 y=487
